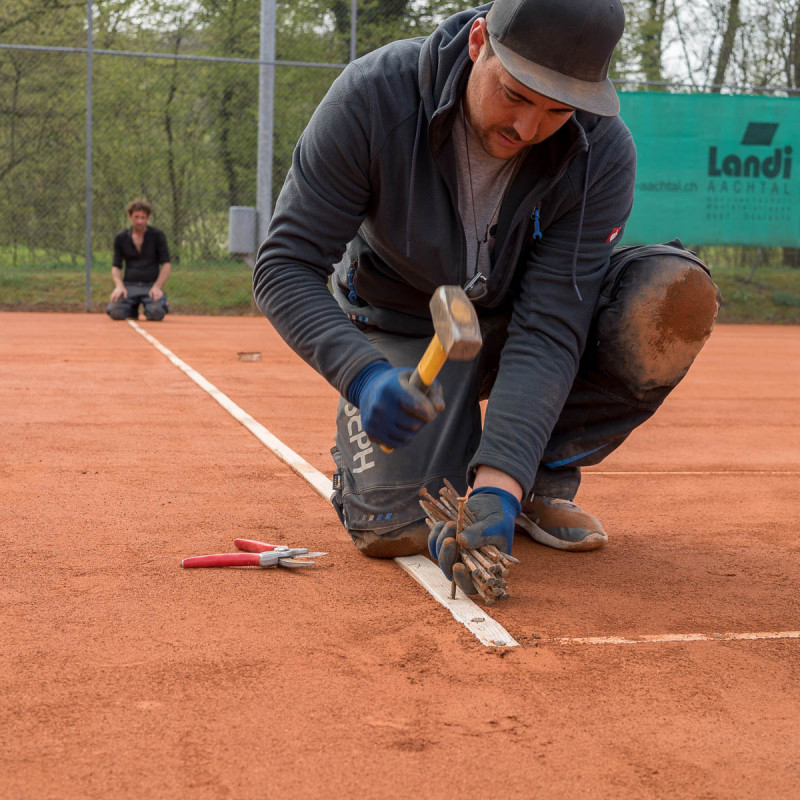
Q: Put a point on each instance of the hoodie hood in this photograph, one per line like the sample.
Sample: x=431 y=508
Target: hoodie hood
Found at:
x=444 y=65
x=444 y=68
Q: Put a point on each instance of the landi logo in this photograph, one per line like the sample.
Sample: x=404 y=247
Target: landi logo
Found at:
x=778 y=163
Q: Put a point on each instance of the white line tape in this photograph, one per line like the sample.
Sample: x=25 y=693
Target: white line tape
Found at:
x=288 y=456
x=693 y=472
x=424 y=572
x=677 y=637
x=428 y=575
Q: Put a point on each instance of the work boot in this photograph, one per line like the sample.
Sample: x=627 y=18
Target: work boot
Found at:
x=560 y=524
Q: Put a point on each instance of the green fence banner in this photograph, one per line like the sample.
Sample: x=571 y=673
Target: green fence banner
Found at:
x=715 y=169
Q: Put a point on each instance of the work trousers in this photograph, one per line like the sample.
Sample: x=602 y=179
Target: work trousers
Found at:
x=656 y=311
x=128 y=307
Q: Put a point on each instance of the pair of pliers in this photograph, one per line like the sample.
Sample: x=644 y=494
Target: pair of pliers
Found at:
x=257 y=554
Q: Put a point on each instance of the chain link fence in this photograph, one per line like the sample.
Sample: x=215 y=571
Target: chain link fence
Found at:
x=163 y=105
x=173 y=93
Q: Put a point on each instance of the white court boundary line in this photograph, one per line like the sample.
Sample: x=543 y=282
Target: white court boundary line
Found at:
x=694 y=472
x=676 y=637
x=488 y=631
x=421 y=569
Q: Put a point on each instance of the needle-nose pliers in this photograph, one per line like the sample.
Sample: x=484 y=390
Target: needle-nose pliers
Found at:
x=257 y=554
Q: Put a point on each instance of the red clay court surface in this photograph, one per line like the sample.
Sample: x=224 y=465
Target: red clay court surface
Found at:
x=125 y=676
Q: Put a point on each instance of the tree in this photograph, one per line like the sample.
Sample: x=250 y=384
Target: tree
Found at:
x=42 y=123
x=184 y=134
x=230 y=28
x=651 y=34
x=726 y=47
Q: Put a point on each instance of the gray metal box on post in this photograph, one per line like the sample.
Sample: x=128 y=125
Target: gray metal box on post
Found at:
x=242 y=233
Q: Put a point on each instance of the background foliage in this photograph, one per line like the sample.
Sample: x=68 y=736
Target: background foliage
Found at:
x=183 y=133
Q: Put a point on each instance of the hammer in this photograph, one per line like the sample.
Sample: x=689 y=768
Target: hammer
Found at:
x=457 y=336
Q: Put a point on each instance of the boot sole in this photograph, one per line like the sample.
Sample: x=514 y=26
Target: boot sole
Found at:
x=593 y=541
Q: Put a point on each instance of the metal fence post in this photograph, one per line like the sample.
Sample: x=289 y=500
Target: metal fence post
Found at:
x=88 y=222
x=353 y=27
x=266 y=102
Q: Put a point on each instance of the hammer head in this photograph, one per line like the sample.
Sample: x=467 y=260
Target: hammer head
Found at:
x=456 y=323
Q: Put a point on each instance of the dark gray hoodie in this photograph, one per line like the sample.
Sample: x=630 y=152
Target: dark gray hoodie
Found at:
x=372 y=190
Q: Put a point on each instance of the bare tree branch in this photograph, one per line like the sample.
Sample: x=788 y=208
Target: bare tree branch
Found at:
x=726 y=49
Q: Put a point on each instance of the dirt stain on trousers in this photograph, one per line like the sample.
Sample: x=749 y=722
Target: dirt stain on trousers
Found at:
x=667 y=315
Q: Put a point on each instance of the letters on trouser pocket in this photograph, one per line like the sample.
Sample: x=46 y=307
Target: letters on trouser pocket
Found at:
x=378 y=491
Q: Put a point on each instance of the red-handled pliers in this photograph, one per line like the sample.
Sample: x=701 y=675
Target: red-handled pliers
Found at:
x=258 y=554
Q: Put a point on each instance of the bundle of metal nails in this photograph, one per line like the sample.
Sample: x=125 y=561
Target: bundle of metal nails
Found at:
x=487 y=566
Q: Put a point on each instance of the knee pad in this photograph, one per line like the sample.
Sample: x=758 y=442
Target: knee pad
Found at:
x=663 y=313
x=155 y=313
x=118 y=313
x=407 y=540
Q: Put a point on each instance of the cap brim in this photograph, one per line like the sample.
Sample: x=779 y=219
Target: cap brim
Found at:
x=595 y=97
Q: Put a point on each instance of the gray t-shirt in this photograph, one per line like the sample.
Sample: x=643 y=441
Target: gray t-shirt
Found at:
x=482 y=183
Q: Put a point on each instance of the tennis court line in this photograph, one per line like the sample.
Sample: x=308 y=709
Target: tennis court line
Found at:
x=425 y=572
x=487 y=630
x=675 y=637
x=693 y=472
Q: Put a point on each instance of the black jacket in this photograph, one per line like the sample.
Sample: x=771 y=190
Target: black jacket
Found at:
x=372 y=191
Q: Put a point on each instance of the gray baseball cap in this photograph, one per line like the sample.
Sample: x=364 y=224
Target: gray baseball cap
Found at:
x=560 y=48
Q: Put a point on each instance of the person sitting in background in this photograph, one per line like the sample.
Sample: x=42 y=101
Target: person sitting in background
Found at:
x=142 y=251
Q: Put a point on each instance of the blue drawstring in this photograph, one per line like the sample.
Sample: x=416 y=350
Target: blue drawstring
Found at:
x=537 y=231
x=351 y=295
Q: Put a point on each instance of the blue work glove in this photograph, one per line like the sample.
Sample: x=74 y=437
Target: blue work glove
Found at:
x=495 y=511
x=392 y=410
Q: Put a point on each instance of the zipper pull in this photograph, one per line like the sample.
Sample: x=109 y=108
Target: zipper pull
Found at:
x=537 y=233
x=475 y=287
